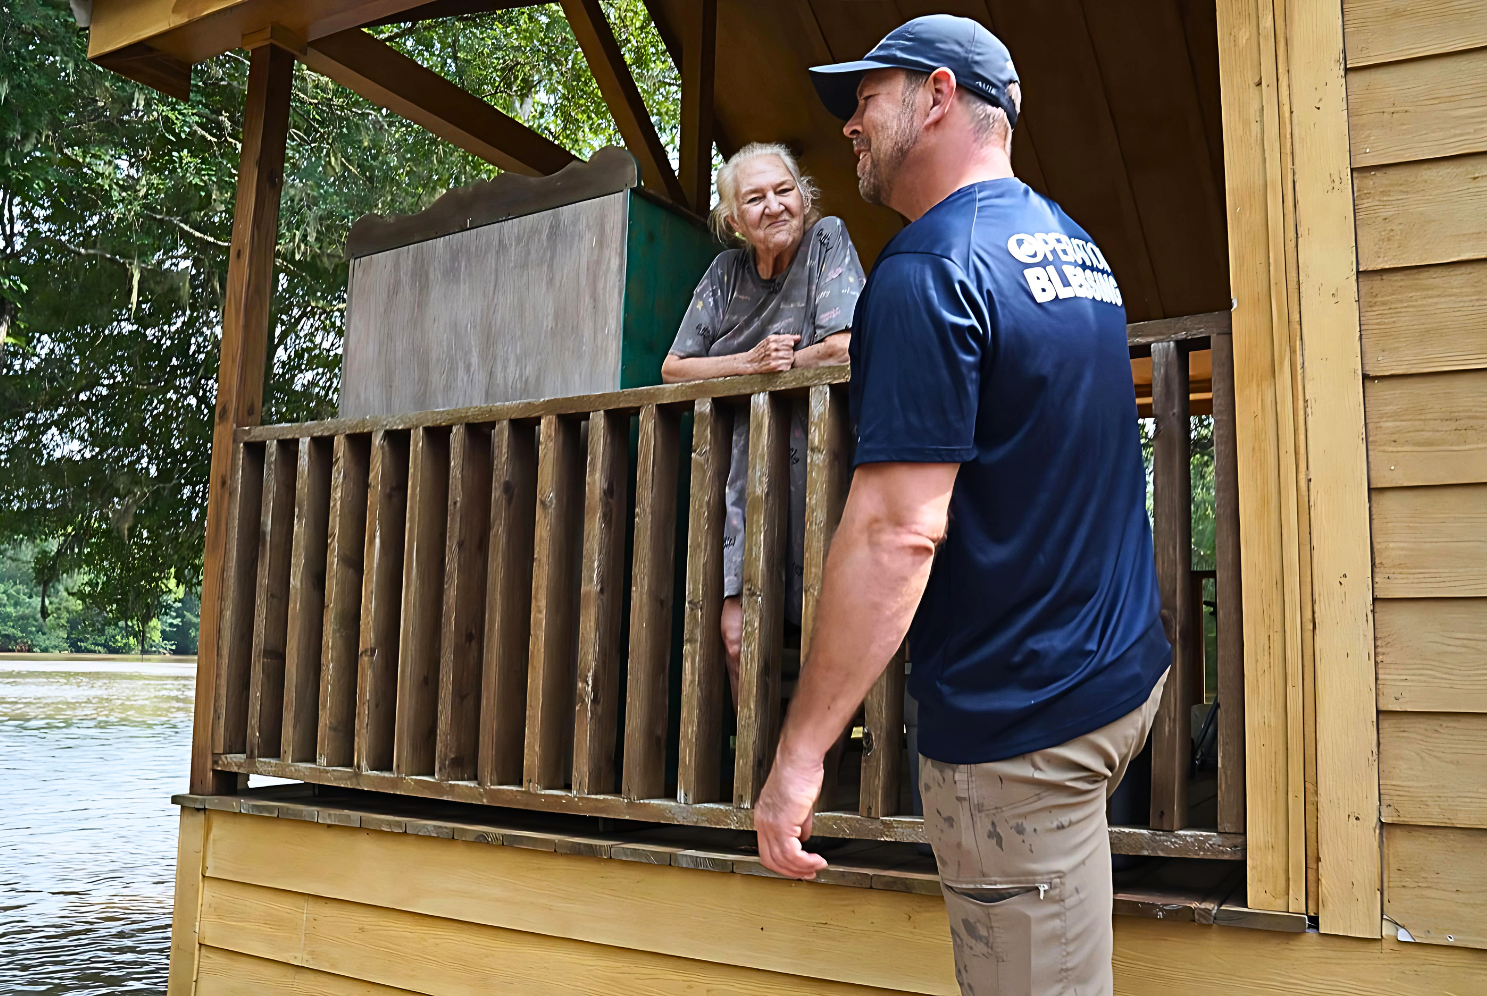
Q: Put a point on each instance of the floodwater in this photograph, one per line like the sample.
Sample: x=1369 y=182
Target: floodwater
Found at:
x=90 y=753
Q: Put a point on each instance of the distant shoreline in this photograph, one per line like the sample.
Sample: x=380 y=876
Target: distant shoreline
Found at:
x=123 y=658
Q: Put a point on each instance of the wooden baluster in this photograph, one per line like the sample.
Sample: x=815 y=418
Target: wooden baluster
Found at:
x=381 y=600
x=423 y=602
x=508 y=612
x=306 y=599
x=703 y=670
x=600 y=600
x=828 y=475
x=883 y=741
x=271 y=602
x=764 y=570
x=650 y=605
x=463 y=641
x=550 y=674
x=345 y=553
x=1229 y=614
x=1172 y=503
x=239 y=587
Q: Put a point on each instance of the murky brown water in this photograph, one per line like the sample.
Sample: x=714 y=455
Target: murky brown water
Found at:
x=89 y=756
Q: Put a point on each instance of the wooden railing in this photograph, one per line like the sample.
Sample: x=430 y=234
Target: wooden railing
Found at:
x=481 y=605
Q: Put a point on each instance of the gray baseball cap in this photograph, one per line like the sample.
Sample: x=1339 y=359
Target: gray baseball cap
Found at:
x=979 y=60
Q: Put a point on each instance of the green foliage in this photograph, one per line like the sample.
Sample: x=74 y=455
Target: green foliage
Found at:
x=115 y=217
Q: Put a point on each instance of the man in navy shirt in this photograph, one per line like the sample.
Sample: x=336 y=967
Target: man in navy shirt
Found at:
x=997 y=517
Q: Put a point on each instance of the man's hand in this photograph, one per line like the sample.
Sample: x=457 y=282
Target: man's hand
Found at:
x=774 y=353
x=782 y=816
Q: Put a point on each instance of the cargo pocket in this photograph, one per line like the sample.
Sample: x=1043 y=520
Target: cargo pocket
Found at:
x=1011 y=935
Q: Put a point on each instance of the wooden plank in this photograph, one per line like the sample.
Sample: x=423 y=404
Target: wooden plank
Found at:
x=828 y=475
x=698 y=770
x=462 y=642
x=271 y=600
x=508 y=613
x=607 y=63
x=1410 y=214
x=858 y=936
x=381 y=601
x=1424 y=318
x=390 y=79
x=1420 y=109
x=647 y=692
x=699 y=28
x=1172 y=535
x=245 y=325
x=1433 y=768
x=600 y=602
x=1203 y=326
x=883 y=741
x=190 y=851
x=441 y=956
x=305 y=633
x=1229 y=593
x=1435 y=883
x=1427 y=428
x=1337 y=469
x=1391 y=30
x=234 y=657
x=417 y=709
x=550 y=674
x=765 y=514
x=227 y=973
x=1430 y=542
x=345 y=556
x=1429 y=653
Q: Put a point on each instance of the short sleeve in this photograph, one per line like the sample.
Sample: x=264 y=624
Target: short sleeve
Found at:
x=839 y=281
x=702 y=325
x=916 y=357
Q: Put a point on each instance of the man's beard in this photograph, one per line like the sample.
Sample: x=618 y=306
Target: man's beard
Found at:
x=885 y=156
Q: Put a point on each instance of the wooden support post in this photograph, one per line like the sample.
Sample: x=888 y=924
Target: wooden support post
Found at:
x=306 y=599
x=465 y=572
x=1172 y=503
x=883 y=741
x=417 y=708
x=650 y=605
x=607 y=63
x=271 y=602
x=234 y=646
x=673 y=44
x=381 y=601
x=508 y=613
x=600 y=600
x=344 y=558
x=1229 y=593
x=698 y=771
x=699 y=60
x=763 y=594
x=245 y=320
x=550 y=673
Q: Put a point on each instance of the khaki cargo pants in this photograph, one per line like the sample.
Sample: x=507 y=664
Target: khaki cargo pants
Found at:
x=1024 y=857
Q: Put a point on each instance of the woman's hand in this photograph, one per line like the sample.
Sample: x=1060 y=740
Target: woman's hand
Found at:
x=774 y=353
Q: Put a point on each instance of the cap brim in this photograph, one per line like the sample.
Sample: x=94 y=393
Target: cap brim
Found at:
x=837 y=85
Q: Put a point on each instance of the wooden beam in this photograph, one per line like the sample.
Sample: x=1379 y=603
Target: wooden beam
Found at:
x=245 y=321
x=673 y=44
x=607 y=63
x=390 y=79
x=143 y=63
x=699 y=63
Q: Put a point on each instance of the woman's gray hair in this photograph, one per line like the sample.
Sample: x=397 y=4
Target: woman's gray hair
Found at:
x=728 y=187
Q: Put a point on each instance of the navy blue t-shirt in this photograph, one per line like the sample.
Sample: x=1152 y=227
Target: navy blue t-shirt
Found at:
x=991 y=334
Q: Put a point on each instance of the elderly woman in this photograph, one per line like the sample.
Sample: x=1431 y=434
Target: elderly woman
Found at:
x=784 y=299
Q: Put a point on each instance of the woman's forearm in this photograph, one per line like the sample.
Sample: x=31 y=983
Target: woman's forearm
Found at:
x=680 y=368
x=828 y=352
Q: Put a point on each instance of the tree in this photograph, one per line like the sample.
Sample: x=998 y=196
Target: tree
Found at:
x=115 y=216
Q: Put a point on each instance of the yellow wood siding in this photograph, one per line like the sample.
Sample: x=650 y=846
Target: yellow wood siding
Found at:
x=1417 y=109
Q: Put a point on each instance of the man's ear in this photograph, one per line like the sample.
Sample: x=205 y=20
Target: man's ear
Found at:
x=942 y=87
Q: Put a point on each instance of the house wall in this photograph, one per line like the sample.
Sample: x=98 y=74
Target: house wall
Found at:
x=277 y=906
x=1417 y=117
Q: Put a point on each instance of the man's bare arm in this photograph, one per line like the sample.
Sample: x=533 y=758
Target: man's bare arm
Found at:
x=875 y=575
